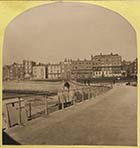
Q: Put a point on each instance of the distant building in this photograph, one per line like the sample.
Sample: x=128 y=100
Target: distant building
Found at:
x=99 y=66
x=125 y=67
x=133 y=68
x=66 y=69
x=17 y=71
x=54 y=71
x=39 y=72
x=81 y=69
x=135 y=62
x=13 y=72
x=106 y=65
x=28 y=68
x=6 y=72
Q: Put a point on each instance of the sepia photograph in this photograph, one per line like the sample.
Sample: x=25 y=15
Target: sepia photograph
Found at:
x=69 y=76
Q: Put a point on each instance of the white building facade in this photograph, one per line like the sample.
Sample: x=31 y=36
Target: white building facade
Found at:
x=54 y=71
x=39 y=72
x=107 y=65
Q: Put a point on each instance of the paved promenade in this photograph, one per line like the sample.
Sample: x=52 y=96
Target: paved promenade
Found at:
x=109 y=119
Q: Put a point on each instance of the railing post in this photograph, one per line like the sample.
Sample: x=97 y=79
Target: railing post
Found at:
x=111 y=85
x=68 y=95
x=19 y=117
x=63 y=105
x=91 y=92
x=30 y=110
x=73 y=97
x=63 y=99
x=59 y=101
x=88 y=93
x=8 y=115
x=83 y=94
x=46 y=106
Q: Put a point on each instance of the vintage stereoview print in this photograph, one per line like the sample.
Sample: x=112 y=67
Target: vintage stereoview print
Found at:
x=69 y=77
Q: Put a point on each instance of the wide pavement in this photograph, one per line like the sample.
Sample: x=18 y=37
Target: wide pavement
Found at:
x=109 y=119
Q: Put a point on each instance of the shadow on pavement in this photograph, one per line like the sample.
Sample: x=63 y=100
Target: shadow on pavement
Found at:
x=7 y=140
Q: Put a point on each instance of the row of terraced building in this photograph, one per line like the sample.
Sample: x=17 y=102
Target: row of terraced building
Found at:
x=98 y=66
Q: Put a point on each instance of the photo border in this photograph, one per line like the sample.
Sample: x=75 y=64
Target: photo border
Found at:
x=129 y=9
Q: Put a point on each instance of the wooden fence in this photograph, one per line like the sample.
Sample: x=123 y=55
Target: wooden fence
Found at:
x=22 y=109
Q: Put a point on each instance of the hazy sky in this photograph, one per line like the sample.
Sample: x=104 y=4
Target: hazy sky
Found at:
x=51 y=32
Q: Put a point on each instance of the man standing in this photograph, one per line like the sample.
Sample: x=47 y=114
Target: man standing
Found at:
x=66 y=86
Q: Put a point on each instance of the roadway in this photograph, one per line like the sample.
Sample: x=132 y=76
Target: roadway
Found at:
x=109 y=119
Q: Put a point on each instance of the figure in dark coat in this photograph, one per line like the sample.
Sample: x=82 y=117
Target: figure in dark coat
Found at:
x=67 y=85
